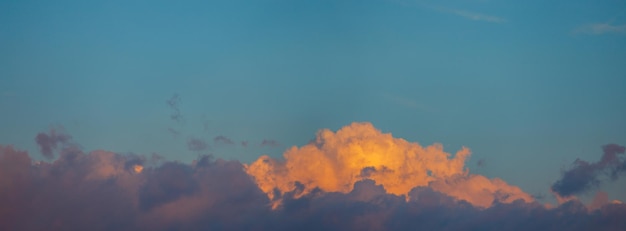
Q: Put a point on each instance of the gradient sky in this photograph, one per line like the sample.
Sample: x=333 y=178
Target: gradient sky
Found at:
x=528 y=86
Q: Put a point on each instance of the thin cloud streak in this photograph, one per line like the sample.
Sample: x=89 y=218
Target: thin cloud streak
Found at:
x=600 y=28
x=471 y=15
x=477 y=16
x=405 y=102
x=269 y=143
x=223 y=140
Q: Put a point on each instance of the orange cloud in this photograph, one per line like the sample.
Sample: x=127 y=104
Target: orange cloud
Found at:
x=333 y=162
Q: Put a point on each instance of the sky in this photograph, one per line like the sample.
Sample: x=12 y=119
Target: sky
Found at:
x=534 y=89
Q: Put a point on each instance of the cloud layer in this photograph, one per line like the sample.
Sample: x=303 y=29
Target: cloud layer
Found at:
x=102 y=190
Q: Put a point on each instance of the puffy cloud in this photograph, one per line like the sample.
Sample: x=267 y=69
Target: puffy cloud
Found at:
x=369 y=207
x=102 y=190
x=601 y=199
x=97 y=191
x=584 y=176
x=48 y=142
x=333 y=162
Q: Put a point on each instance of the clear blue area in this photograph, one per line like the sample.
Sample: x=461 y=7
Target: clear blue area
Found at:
x=525 y=85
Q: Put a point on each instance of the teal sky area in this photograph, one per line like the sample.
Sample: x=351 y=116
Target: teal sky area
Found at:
x=528 y=86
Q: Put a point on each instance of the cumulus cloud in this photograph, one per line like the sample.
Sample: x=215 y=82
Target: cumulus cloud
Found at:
x=102 y=190
x=333 y=162
x=584 y=176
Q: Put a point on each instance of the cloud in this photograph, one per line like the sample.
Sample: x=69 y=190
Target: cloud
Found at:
x=584 y=176
x=476 y=16
x=101 y=190
x=97 y=191
x=270 y=143
x=481 y=162
x=172 y=131
x=600 y=28
x=194 y=144
x=333 y=162
x=599 y=200
x=174 y=104
x=49 y=142
x=405 y=102
x=171 y=182
x=223 y=139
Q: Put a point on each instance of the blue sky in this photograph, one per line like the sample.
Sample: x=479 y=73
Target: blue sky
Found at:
x=528 y=87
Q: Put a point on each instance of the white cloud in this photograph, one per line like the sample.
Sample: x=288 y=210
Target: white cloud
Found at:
x=477 y=16
x=600 y=28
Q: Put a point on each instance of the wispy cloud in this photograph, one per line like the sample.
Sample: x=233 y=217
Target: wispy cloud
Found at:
x=600 y=28
x=471 y=15
x=223 y=140
x=270 y=143
x=405 y=102
x=476 y=16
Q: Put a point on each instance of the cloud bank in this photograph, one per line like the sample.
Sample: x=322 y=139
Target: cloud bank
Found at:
x=391 y=184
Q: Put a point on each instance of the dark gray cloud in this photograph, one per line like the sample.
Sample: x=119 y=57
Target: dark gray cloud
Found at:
x=270 y=143
x=584 y=176
x=97 y=191
x=171 y=181
x=174 y=104
x=481 y=163
x=102 y=190
x=223 y=140
x=48 y=142
x=197 y=145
